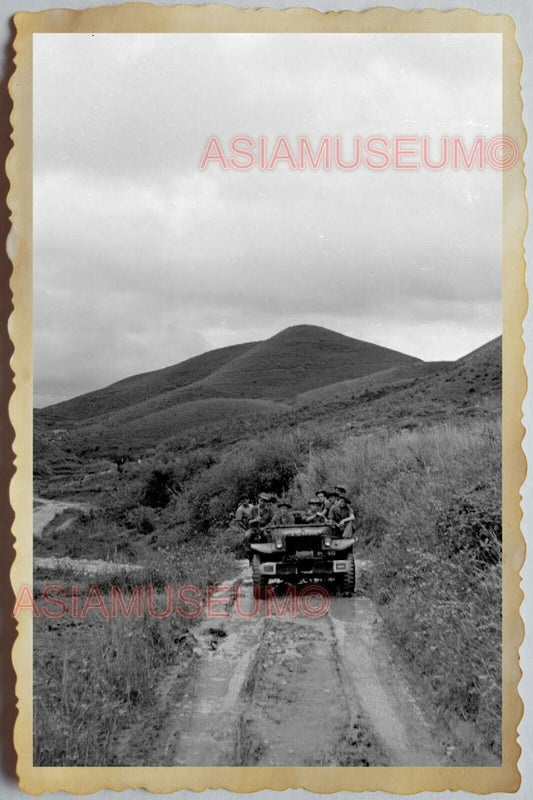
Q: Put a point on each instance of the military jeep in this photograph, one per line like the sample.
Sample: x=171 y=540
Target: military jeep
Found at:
x=298 y=553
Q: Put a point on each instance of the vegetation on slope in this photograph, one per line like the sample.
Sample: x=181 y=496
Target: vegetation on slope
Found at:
x=430 y=521
x=147 y=430
x=422 y=459
x=351 y=389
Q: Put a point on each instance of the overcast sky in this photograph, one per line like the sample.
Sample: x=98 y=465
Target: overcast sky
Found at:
x=142 y=260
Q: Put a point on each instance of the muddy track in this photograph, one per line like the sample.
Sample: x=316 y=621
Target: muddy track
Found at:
x=291 y=691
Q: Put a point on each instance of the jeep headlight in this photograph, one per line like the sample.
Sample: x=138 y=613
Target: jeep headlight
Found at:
x=326 y=541
x=279 y=543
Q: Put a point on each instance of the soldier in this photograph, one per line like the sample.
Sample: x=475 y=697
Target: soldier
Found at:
x=322 y=495
x=262 y=517
x=343 y=493
x=314 y=514
x=244 y=513
x=333 y=496
x=265 y=511
x=283 y=515
x=343 y=515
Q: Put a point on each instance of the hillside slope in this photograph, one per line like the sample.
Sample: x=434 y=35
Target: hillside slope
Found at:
x=189 y=418
x=142 y=387
x=408 y=396
x=442 y=391
x=471 y=386
x=298 y=359
x=349 y=390
x=475 y=376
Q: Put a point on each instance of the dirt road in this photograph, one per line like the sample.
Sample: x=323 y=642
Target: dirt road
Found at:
x=45 y=510
x=291 y=690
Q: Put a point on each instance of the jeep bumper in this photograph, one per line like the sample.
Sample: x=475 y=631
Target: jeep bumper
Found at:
x=319 y=568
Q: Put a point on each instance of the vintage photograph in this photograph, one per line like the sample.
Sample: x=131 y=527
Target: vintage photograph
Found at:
x=267 y=348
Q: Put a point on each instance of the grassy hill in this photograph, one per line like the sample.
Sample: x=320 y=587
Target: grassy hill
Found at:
x=296 y=360
x=145 y=409
x=274 y=369
x=142 y=387
x=299 y=359
x=405 y=395
x=471 y=379
x=184 y=418
x=348 y=390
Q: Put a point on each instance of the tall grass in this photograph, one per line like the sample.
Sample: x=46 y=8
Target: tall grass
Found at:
x=429 y=518
x=90 y=684
x=95 y=677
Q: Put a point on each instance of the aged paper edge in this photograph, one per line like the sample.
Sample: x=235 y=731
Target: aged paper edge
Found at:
x=141 y=17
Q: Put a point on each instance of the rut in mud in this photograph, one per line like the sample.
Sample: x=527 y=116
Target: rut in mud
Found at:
x=296 y=708
x=289 y=691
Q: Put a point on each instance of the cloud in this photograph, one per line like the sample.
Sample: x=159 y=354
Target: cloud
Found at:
x=141 y=260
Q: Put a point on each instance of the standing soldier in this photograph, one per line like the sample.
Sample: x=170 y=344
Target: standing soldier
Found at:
x=263 y=517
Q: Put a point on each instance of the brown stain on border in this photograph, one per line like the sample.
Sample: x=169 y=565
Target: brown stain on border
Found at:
x=8 y=710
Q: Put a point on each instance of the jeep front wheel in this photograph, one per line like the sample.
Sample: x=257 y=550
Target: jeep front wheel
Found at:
x=258 y=579
x=348 y=579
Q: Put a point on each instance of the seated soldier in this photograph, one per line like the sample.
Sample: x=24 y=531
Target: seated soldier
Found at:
x=343 y=515
x=283 y=515
x=342 y=492
x=322 y=495
x=265 y=512
x=314 y=515
x=244 y=513
x=333 y=497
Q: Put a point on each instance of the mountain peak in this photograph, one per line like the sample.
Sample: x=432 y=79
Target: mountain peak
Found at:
x=300 y=358
x=306 y=330
x=295 y=360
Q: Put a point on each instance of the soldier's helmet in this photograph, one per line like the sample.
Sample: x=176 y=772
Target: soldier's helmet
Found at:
x=322 y=491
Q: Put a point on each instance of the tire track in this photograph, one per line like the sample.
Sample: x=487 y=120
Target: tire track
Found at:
x=293 y=691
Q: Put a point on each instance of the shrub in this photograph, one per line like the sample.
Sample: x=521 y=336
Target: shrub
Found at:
x=269 y=465
x=190 y=464
x=142 y=518
x=159 y=488
x=472 y=525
